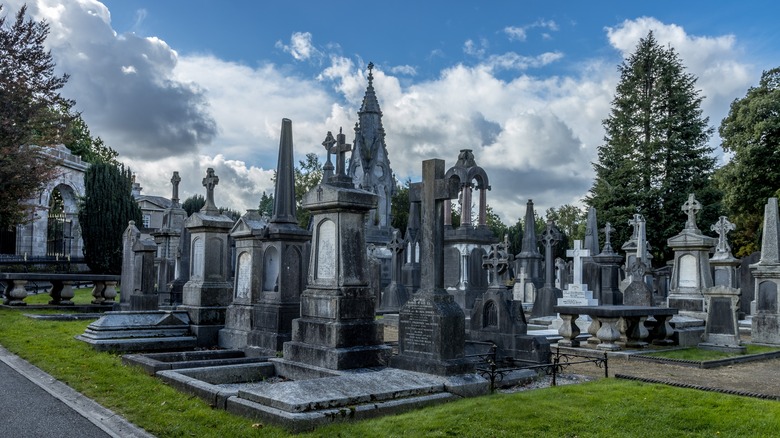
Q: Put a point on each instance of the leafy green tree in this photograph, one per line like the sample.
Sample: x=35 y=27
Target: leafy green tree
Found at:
x=79 y=140
x=494 y=222
x=266 y=205
x=655 y=151
x=307 y=175
x=104 y=213
x=751 y=132
x=32 y=112
x=399 y=206
x=193 y=203
x=569 y=219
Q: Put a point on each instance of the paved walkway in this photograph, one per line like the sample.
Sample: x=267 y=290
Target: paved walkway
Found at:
x=37 y=405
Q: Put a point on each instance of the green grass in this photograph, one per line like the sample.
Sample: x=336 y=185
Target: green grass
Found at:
x=602 y=408
x=702 y=355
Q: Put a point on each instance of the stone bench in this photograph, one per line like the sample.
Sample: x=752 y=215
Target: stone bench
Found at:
x=604 y=327
x=61 y=292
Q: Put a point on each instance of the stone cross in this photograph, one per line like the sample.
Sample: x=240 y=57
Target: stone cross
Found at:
x=340 y=150
x=495 y=263
x=633 y=223
x=327 y=169
x=435 y=190
x=608 y=230
x=175 y=180
x=209 y=182
x=550 y=236
x=722 y=227
x=396 y=246
x=691 y=207
x=577 y=254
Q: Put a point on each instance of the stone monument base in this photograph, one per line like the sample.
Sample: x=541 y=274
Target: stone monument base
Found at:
x=546 y=298
x=766 y=328
x=739 y=349
x=238 y=323
x=143 y=302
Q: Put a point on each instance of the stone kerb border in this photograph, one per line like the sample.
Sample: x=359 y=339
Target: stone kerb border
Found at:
x=708 y=363
x=698 y=387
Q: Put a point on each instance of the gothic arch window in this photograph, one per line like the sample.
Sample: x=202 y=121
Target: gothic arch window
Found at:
x=490 y=315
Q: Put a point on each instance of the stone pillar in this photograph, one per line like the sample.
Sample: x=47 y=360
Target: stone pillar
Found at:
x=208 y=292
x=394 y=296
x=431 y=334
x=766 y=321
x=127 y=279
x=608 y=262
x=144 y=296
x=547 y=296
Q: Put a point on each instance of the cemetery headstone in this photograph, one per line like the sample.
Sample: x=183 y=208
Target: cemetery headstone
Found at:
x=636 y=291
x=529 y=258
x=608 y=262
x=144 y=296
x=547 y=296
x=394 y=296
x=127 y=278
x=766 y=320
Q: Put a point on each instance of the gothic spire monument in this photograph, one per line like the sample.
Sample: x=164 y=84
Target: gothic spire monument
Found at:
x=369 y=165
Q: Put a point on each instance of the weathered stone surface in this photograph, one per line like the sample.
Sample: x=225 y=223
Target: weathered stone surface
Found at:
x=139 y=331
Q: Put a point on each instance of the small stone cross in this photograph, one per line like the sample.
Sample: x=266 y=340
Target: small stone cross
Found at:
x=495 y=263
x=175 y=180
x=209 y=182
x=396 y=244
x=341 y=148
x=633 y=223
x=722 y=227
x=550 y=236
x=608 y=230
x=577 y=254
x=328 y=167
x=691 y=207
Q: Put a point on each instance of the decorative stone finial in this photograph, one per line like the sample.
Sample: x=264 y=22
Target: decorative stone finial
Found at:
x=722 y=227
x=691 y=207
x=209 y=182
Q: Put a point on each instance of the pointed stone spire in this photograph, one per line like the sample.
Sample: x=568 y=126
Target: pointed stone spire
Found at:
x=370 y=102
x=591 y=232
x=529 y=235
x=770 y=241
x=284 y=197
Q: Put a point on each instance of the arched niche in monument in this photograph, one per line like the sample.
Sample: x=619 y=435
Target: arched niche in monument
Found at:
x=767 y=296
x=215 y=243
x=292 y=262
x=326 y=251
x=243 y=286
x=271 y=264
x=490 y=315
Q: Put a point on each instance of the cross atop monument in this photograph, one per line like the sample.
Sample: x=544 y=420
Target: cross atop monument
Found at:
x=341 y=148
x=209 y=182
x=577 y=254
x=435 y=190
x=396 y=244
x=608 y=230
x=691 y=207
x=175 y=180
x=722 y=227
x=327 y=169
x=550 y=236
x=496 y=262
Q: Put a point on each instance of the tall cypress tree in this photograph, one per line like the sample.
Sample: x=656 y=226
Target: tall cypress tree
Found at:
x=104 y=213
x=655 y=149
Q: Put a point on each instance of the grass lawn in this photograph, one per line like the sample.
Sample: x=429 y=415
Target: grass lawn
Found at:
x=703 y=355
x=81 y=296
x=606 y=407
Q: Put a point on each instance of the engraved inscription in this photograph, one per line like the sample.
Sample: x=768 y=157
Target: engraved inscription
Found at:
x=243 y=275
x=419 y=329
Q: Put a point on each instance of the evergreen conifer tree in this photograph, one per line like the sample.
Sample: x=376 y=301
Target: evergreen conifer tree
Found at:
x=105 y=211
x=655 y=151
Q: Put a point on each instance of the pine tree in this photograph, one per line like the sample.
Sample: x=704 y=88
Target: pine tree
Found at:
x=105 y=211
x=751 y=131
x=655 y=151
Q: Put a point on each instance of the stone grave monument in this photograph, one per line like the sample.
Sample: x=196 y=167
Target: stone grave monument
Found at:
x=208 y=292
x=336 y=329
x=691 y=274
x=143 y=296
x=766 y=320
x=499 y=319
x=636 y=291
x=431 y=335
x=127 y=277
x=529 y=261
x=394 y=295
x=577 y=293
x=591 y=271
x=167 y=240
x=410 y=271
x=722 y=329
x=608 y=262
x=548 y=295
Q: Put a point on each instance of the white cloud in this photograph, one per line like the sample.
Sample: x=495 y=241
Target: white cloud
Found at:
x=515 y=33
x=520 y=33
x=406 y=70
x=300 y=47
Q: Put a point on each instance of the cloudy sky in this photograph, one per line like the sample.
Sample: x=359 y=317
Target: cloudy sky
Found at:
x=189 y=84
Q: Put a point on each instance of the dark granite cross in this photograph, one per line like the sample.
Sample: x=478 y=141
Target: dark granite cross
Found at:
x=608 y=230
x=550 y=236
x=396 y=246
x=435 y=190
x=327 y=169
x=691 y=207
x=722 y=227
x=175 y=180
x=341 y=148
x=494 y=263
x=209 y=182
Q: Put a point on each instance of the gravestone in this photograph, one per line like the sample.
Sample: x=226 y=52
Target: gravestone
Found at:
x=208 y=293
x=498 y=319
x=182 y=274
x=167 y=240
x=766 y=320
x=547 y=296
x=337 y=329
x=394 y=295
x=636 y=291
x=608 y=262
x=529 y=258
x=431 y=336
x=747 y=283
x=691 y=274
x=127 y=278
x=144 y=296
x=591 y=271
x=577 y=293
x=411 y=268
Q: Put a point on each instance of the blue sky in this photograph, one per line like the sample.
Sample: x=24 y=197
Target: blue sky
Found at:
x=186 y=85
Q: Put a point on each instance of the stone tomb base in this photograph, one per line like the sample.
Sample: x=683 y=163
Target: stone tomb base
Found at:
x=140 y=331
x=301 y=397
